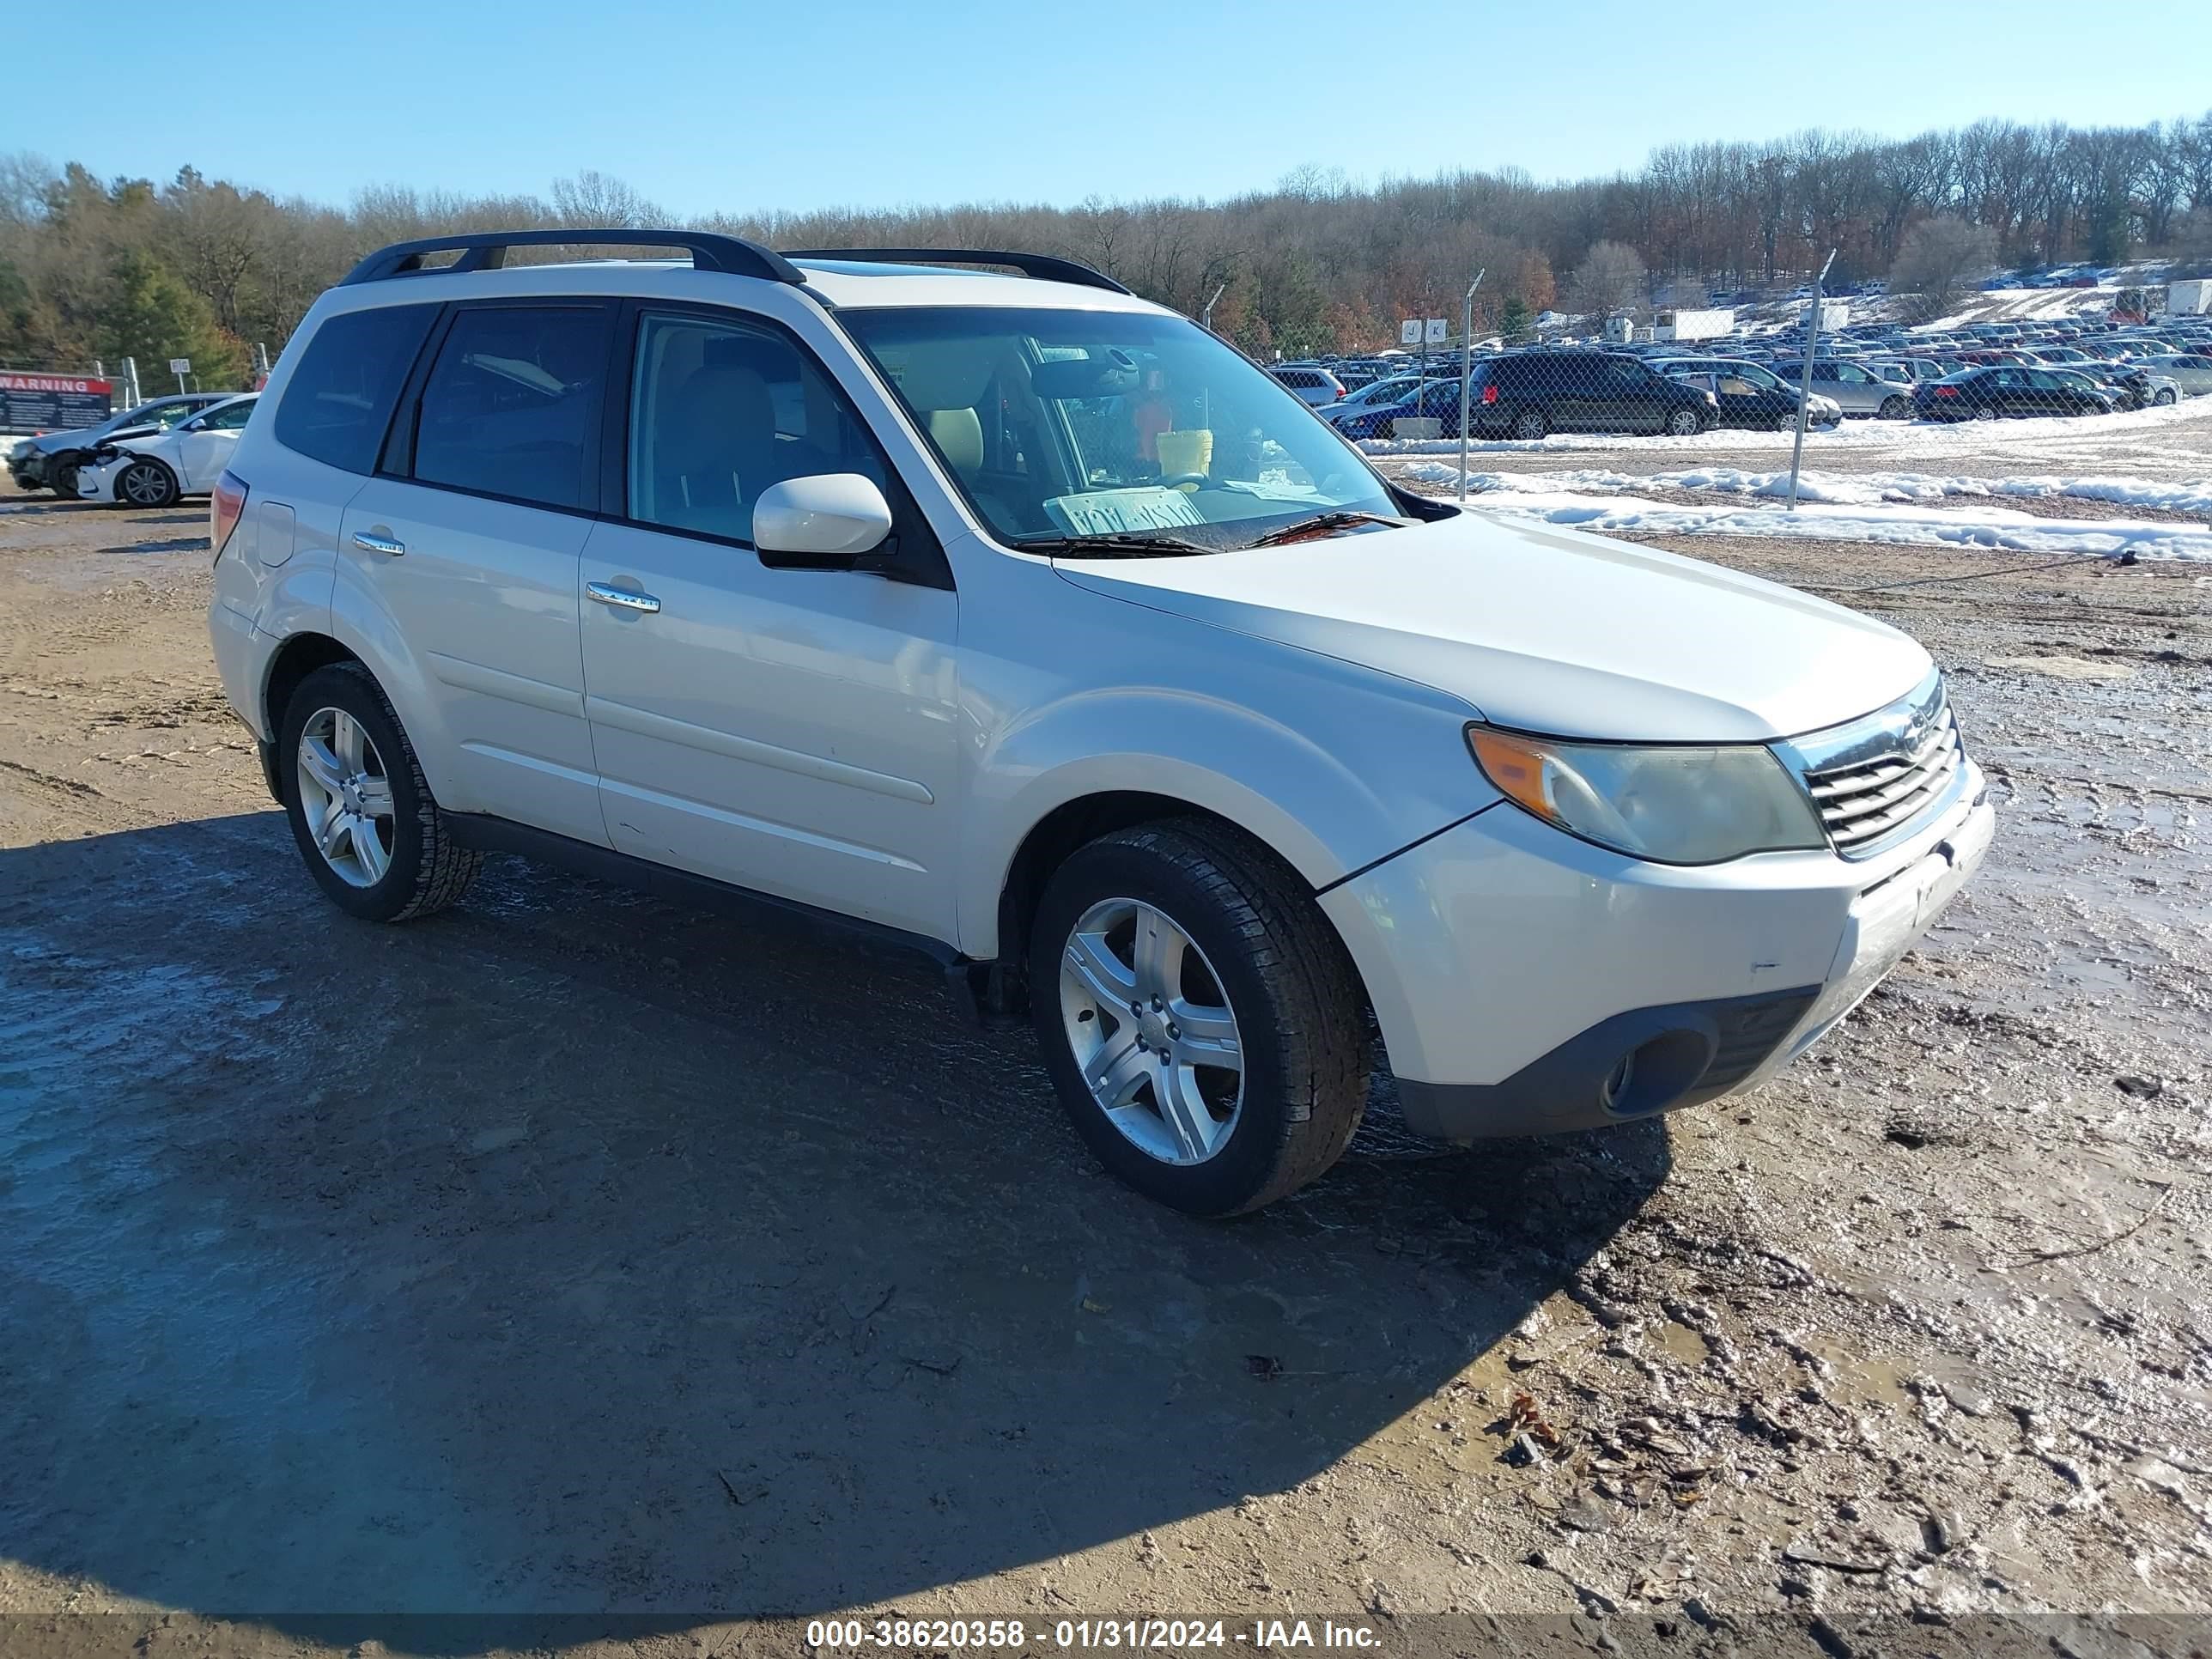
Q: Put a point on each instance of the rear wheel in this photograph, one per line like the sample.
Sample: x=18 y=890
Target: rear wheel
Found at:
x=1199 y=1016
x=1895 y=409
x=1529 y=425
x=1985 y=413
x=146 y=484
x=372 y=838
x=1684 y=424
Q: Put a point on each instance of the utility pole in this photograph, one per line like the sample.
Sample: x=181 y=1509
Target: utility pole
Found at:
x=1805 y=384
x=1206 y=317
x=1467 y=369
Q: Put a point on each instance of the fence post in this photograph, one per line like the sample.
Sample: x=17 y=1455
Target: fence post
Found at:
x=1805 y=383
x=130 y=397
x=1466 y=369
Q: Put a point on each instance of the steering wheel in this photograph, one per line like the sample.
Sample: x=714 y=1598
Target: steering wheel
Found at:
x=1177 y=480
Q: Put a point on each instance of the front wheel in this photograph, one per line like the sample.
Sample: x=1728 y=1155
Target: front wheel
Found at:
x=372 y=838
x=1199 y=1016
x=146 y=484
x=2166 y=398
x=64 y=480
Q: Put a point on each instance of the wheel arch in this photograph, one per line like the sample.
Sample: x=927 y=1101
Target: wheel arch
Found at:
x=1076 y=823
x=301 y=655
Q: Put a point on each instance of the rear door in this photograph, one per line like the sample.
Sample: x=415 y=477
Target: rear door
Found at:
x=469 y=539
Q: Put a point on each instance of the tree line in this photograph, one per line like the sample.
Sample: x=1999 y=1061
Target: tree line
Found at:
x=200 y=268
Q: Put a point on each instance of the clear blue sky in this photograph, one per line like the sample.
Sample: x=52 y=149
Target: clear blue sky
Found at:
x=802 y=104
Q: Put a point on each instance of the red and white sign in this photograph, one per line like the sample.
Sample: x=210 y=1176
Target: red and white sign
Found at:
x=81 y=384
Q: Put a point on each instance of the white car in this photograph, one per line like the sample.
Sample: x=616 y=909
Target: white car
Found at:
x=157 y=470
x=1026 y=623
x=2190 y=370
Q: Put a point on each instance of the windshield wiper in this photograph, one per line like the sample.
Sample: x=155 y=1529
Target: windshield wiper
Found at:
x=1323 y=523
x=1132 y=545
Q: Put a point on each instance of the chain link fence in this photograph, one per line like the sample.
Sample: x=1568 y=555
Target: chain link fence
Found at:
x=1688 y=374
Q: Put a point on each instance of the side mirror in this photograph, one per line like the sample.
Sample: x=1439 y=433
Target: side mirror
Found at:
x=199 y=425
x=829 y=516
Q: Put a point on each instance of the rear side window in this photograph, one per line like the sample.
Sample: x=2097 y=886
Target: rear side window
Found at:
x=511 y=405
x=340 y=398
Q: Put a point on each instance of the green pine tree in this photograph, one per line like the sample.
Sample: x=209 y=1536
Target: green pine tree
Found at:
x=150 y=315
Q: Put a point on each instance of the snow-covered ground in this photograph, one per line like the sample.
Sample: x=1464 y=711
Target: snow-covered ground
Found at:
x=1870 y=481
x=1996 y=527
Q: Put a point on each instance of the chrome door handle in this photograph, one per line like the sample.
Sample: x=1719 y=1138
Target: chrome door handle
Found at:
x=622 y=598
x=369 y=542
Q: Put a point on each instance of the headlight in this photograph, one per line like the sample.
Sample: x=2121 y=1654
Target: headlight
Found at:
x=1671 y=806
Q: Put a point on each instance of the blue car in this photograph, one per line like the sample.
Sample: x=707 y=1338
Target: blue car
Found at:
x=1431 y=399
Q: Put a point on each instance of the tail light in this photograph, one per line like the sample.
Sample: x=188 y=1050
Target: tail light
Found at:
x=229 y=506
x=1946 y=391
x=1490 y=394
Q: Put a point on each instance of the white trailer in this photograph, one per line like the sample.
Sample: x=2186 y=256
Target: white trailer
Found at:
x=2190 y=299
x=1694 y=325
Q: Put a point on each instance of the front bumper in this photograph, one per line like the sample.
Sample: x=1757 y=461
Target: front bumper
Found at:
x=95 y=481
x=1513 y=969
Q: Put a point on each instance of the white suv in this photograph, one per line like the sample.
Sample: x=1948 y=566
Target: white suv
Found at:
x=1030 y=622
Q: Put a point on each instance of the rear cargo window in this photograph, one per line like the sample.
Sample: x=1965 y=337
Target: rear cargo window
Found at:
x=340 y=398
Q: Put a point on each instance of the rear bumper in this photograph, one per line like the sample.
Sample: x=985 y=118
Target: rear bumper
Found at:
x=1513 y=969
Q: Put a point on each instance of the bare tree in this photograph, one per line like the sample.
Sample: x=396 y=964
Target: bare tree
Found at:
x=1610 y=278
x=1939 y=262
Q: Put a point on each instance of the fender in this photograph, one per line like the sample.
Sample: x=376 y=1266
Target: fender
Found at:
x=1363 y=763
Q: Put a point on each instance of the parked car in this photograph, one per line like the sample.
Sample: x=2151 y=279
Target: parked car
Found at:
x=1860 y=391
x=1749 y=396
x=2190 y=370
x=1374 y=395
x=1990 y=393
x=1527 y=394
x=1312 y=386
x=158 y=470
x=914 y=615
x=50 y=460
x=1430 y=400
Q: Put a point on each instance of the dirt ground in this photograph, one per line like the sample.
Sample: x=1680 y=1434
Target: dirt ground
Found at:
x=617 y=1275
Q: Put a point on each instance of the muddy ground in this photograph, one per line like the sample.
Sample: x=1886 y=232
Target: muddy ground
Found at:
x=570 y=1253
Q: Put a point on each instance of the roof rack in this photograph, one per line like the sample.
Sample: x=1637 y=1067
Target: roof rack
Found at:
x=487 y=251
x=1044 y=266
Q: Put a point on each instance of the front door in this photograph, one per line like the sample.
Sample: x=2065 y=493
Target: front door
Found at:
x=793 y=731
x=205 y=449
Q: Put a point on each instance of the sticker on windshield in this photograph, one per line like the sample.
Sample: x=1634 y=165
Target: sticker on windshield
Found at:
x=1110 y=512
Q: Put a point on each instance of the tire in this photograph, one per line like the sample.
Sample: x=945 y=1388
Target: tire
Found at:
x=2166 y=398
x=1894 y=409
x=1787 y=422
x=1684 y=424
x=423 y=869
x=1530 y=425
x=1265 y=951
x=146 y=484
x=63 y=478
x=1985 y=413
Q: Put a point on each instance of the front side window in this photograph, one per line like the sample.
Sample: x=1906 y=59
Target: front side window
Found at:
x=512 y=404
x=718 y=411
x=230 y=416
x=1058 y=423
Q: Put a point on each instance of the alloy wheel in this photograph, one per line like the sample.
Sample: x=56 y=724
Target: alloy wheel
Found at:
x=1152 y=1030
x=143 y=485
x=346 y=797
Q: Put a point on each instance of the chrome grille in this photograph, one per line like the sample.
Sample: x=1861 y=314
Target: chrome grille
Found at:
x=1873 y=779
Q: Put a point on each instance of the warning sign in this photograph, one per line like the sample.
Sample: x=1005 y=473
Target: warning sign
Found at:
x=53 y=402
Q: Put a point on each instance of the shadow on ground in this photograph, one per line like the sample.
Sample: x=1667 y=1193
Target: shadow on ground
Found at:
x=573 y=1253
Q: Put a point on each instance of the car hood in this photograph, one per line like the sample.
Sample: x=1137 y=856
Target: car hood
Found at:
x=1546 y=630
x=53 y=443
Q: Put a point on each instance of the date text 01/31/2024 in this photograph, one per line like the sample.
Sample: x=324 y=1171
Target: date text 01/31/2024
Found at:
x=1161 y=1635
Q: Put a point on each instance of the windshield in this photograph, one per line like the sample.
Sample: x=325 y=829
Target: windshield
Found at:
x=1060 y=425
